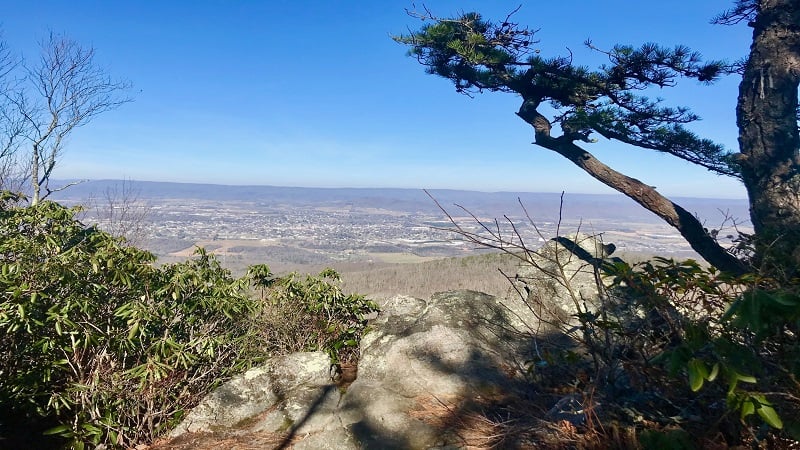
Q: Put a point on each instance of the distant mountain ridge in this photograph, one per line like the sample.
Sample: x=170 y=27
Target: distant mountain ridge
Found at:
x=541 y=206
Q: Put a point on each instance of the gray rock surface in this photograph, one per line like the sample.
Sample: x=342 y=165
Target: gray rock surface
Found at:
x=562 y=280
x=286 y=380
x=422 y=362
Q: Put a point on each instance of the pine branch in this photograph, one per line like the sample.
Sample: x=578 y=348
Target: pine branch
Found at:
x=477 y=55
x=745 y=10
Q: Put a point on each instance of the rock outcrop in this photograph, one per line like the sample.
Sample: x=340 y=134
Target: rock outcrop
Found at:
x=425 y=366
x=289 y=381
x=562 y=279
x=422 y=361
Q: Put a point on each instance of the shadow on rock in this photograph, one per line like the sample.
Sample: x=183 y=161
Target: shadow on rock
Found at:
x=448 y=372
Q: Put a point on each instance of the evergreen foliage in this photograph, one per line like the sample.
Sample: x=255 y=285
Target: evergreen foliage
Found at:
x=479 y=55
x=569 y=105
x=657 y=348
x=741 y=330
x=738 y=321
x=102 y=346
x=304 y=313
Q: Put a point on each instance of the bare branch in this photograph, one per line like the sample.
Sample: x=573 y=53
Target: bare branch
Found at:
x=122 y=212
x=66 y=186
x=12 y=124
x=66 y=90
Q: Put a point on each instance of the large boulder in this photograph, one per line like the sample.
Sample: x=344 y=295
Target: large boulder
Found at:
x=422 y=363
x=562 y=278
x=285 y=380
x=454 y=348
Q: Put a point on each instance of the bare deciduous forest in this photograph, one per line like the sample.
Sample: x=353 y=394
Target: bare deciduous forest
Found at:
x=479 y=273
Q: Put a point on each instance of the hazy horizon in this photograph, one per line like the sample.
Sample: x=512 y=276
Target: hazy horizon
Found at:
x=120 y=182
x=317 y=94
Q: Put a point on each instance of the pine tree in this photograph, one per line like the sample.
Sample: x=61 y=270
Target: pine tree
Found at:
x=478 y=55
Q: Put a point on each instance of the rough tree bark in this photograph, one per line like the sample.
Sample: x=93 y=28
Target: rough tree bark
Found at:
x=768 y=131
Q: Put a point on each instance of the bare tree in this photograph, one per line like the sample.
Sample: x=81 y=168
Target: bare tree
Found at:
x=12 y=124
x=64 y=89
x=122 y=212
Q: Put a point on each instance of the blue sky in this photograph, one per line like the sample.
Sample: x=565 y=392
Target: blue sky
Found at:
x=315 y=93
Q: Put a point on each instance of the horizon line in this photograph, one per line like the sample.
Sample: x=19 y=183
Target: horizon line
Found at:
x=484 y=191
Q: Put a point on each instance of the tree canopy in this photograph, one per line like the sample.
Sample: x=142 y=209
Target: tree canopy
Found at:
x=568 y=105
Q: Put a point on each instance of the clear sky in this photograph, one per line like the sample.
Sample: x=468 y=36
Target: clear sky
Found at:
x=315 y=93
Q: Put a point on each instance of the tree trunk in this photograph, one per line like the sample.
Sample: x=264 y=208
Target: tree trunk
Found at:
x=35 y=175
x=686 y=223
x=768 y=134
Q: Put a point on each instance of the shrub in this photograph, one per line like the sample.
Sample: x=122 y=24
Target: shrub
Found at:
x=738 y=327
x=671 y=345
x=100 y=341
x=667 y=347
x=311 y=313
x=103 y=347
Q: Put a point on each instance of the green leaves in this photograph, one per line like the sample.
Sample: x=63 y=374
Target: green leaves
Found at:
x=699 y=373
x=59 y=430
x=312 y=313
x=474 y=53
x=114 y=348
x=752 y=403
x=94 y=338
x=767 y=413
x=764 y=311
x=739 y=329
